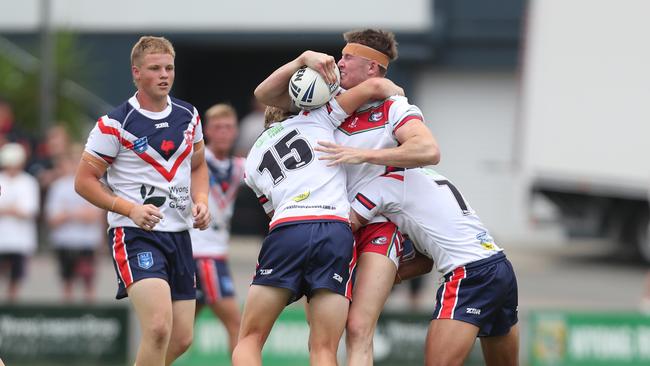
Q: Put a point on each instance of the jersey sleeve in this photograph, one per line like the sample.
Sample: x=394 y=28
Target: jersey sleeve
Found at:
x=104 y=140
x=401 y=112
x=264 y=201
x=368 y=201
x=198 y=127
x=332 y=113
x=380 y=195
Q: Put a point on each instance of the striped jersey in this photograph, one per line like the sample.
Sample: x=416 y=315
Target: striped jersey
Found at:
x=430 y=209
x=287 y=176
x=226 y=177
x=149 y=156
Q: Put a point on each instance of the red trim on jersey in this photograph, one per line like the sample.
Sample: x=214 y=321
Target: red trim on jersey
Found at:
x=406 y=119
x=395 y=176
x=169 y=175
x=122 y=257
x=450 y=294
x=263 y=200
x=367 y=203
x=365 y=120
x=210 y=280
x=106 y=130
x=308 y=218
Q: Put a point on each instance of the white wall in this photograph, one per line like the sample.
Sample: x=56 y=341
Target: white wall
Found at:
x=473 y=115
x=219 y=15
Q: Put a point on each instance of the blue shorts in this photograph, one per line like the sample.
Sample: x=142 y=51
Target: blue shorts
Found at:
x=307 y=256
x=139 y=254
x=483 y=293
x=214 y=281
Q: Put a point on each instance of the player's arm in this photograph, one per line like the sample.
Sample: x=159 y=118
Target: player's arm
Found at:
x=371 y=89
x=200 y=186
x=417 y=147
x=414 y=267
x=87 y=184
x=274 y=90
x=356 y=220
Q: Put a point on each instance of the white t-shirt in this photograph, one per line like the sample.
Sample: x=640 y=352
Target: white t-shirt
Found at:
x=226 y=177
x=429 y=208
x=284 y=171
x=61 y=197
x=150 y=157
x=22 y=192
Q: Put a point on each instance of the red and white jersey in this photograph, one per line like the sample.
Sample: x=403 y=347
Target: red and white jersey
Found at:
x=373 y=127
x=287 y=176
x=428 y=207
x=226 y=176
x=149 y=156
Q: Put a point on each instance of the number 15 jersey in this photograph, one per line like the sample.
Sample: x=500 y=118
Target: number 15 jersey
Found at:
x=287 y=176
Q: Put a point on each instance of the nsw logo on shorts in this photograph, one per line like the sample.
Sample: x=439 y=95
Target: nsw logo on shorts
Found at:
x=380 y=240
x=145 y=260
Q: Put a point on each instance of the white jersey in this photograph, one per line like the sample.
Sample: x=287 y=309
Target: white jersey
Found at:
x=428 y=207
x=226 y=177
x=287 y=176
x=373 y=127
x=150 y=158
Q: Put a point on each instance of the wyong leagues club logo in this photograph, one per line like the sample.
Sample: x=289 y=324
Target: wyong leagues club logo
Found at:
x=149 y=199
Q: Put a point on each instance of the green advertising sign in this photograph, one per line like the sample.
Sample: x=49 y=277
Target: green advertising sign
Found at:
x=399 y=340
x=286 y=345
x=589 y=339
x=64 y=335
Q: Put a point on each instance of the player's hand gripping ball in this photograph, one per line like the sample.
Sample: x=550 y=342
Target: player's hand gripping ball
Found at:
x=308 y=89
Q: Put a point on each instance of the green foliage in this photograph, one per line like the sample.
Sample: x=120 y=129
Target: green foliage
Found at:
x=20 y=84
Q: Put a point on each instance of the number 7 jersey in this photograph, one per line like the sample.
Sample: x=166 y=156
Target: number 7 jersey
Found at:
x=287 y=176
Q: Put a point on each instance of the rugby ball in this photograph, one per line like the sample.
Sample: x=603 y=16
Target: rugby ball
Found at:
x=308 y=90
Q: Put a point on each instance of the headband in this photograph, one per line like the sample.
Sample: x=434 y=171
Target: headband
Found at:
x=370 y=53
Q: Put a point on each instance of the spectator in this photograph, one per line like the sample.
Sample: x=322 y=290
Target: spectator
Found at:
x=75 y=228
x=54 y=147
x=18 y=210
x=250 y=128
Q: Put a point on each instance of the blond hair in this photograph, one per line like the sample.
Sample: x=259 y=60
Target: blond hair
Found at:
x=220 y=110
x=275 y=114
x=150 y=44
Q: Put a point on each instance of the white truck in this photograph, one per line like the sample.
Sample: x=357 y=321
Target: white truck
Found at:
x=585 y=115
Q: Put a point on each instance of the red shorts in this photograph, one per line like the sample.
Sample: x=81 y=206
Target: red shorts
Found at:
x=382 y=238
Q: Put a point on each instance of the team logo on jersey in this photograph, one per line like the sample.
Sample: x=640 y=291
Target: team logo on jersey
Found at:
x=162 y=125
x=140 y=145
x=380 y=240
x=376 y=116
x=189 y=137
x=149 y=198
x=145 y=260
x=486 y=240
x=167 y=146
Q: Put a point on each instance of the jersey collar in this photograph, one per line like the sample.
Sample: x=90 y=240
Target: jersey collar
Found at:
x=149 y=114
